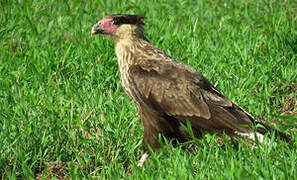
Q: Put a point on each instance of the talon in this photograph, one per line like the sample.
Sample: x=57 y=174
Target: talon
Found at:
x=143 y=158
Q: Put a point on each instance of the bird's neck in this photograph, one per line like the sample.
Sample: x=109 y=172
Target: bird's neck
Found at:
x=128 y=50
x=128 y=54
x=135 y=48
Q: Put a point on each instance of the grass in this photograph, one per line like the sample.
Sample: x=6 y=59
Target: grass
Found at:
x=63 y=112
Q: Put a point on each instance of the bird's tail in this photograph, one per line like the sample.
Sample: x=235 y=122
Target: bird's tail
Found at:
x=263 y=129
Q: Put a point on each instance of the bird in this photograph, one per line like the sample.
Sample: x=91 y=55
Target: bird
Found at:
x=169 y=94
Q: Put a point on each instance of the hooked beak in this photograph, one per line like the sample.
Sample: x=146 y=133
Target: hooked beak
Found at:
x=97 y=29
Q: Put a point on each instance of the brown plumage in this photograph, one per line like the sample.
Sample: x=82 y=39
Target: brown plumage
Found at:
x=167 y=93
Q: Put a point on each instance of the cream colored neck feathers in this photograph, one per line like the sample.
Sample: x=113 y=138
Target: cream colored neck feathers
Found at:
x=129 y=33
x=126 y=38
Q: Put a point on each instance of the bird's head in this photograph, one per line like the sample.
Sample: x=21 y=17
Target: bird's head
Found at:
x=119 y=26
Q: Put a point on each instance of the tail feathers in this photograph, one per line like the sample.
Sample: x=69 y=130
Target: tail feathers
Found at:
x=263 y=129
x=253 y=136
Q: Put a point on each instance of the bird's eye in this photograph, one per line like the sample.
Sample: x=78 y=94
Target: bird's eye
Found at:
x=117 y=21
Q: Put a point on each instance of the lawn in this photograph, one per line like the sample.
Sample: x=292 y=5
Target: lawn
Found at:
x=64 y=114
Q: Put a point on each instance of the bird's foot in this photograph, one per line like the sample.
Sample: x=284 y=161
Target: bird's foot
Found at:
x=143 y=158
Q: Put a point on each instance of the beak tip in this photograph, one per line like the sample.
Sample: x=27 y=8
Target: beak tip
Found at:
x=96 y=29
x=93 y=32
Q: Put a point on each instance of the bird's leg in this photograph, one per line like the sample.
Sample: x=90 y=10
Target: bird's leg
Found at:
x=143 y=158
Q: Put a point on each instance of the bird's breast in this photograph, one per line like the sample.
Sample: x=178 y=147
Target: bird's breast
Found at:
x=124 y=61
x=125 y=79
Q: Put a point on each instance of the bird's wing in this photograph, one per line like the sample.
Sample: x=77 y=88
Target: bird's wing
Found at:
x=179 y=90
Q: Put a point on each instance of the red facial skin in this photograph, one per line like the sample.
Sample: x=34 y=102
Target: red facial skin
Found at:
x=107 y=26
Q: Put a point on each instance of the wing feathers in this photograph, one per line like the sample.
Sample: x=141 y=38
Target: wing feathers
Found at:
x=216 y=99
x=178 y=90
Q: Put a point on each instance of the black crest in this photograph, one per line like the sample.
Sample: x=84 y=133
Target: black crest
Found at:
x=120 y=19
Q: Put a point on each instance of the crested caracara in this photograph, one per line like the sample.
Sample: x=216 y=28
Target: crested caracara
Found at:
x=169 y=94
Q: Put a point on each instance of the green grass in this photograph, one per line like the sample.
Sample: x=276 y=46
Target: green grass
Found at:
x=61 y=99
